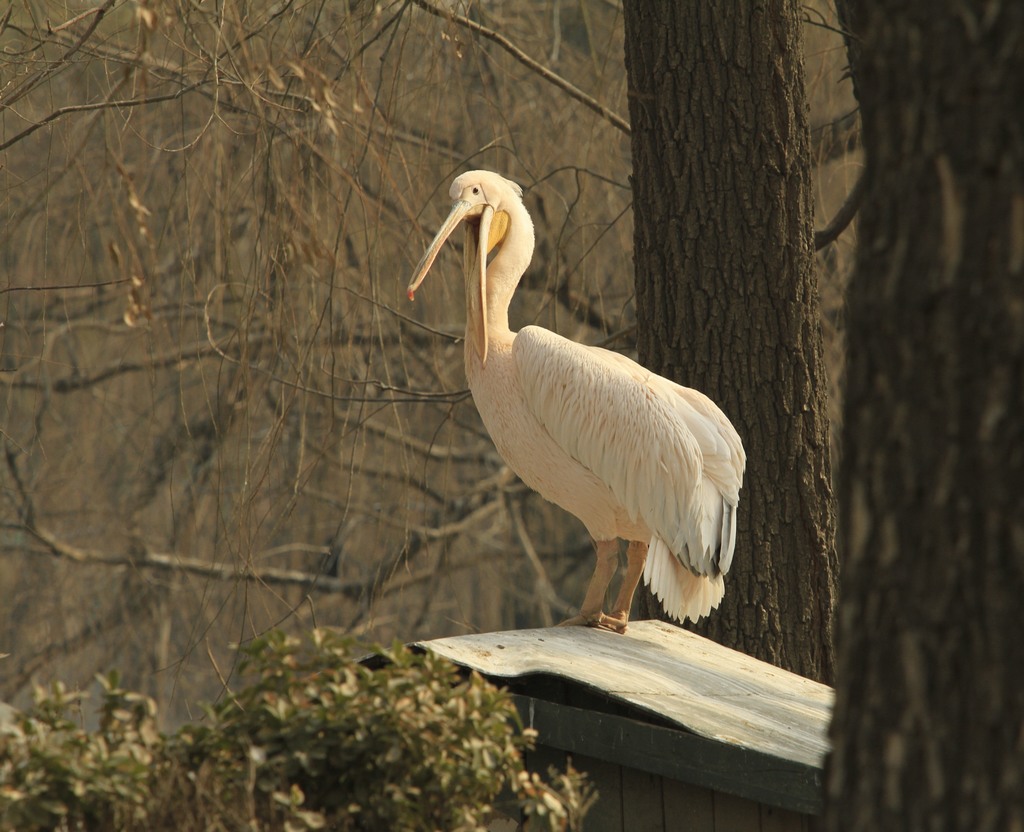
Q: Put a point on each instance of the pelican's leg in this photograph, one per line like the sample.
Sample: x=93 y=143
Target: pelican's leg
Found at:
x=607 y=562
x=636 y=557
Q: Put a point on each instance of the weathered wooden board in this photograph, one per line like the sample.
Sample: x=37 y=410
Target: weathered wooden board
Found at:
x=711 y=690
x=674 y=754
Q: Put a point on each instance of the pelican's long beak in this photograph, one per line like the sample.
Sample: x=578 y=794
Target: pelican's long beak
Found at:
x=476 y=282
x=459 y=210
x=492 y=231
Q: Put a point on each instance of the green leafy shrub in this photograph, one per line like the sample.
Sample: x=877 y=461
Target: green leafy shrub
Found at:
x=314 y=741
x=52 y=773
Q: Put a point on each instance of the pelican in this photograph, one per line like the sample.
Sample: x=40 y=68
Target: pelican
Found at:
x=633 y=455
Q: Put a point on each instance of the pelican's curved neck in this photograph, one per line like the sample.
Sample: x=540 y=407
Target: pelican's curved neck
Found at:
x=505 y=270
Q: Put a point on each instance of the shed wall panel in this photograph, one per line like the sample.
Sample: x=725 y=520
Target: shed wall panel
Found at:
x=774 y=819
x=606 y=814
x=736 y=814
x=688 y=808
x=642 y=809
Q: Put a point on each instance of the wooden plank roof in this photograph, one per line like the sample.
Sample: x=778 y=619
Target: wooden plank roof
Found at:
x=693 y=682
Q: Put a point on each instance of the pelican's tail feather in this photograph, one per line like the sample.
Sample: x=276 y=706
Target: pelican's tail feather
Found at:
x=682 y=594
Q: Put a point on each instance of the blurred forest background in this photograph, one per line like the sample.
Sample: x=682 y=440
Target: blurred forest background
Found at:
x=220 y=411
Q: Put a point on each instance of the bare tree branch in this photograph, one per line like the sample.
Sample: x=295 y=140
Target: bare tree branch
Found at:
x=517 y=53
x=31 y=83
x=844 y=216
x=97 y=105
x=235 y=572
x=68 y=384
x=240 y=571
x=62 y=287
x=544 y=590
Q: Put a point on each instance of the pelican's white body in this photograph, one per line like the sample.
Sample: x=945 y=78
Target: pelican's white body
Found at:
x=631 y=454
x=529 y=449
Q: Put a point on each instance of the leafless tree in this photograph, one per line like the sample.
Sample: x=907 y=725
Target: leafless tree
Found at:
x=220 y=413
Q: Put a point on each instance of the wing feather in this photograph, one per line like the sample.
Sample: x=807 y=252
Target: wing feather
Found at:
x=668 y=454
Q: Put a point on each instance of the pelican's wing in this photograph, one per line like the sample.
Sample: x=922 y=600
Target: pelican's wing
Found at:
x=667 y=453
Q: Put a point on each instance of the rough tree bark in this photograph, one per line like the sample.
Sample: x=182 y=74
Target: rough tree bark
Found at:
x=929 y=721
x=727 y=294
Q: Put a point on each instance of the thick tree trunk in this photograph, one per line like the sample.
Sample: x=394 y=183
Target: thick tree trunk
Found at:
x=929 y=720
x=727 y=295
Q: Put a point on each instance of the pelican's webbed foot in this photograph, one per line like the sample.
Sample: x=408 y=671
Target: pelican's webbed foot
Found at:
x=615 y=623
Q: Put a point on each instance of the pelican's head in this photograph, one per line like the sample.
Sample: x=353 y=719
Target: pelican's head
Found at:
x=481 y=198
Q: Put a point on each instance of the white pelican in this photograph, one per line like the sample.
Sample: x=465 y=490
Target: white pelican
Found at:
x=631 y=454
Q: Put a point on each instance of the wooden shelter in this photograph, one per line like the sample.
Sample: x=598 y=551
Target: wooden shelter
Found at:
x=676 y=731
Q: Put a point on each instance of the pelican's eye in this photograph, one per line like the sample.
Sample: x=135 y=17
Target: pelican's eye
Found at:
x=476 y=190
